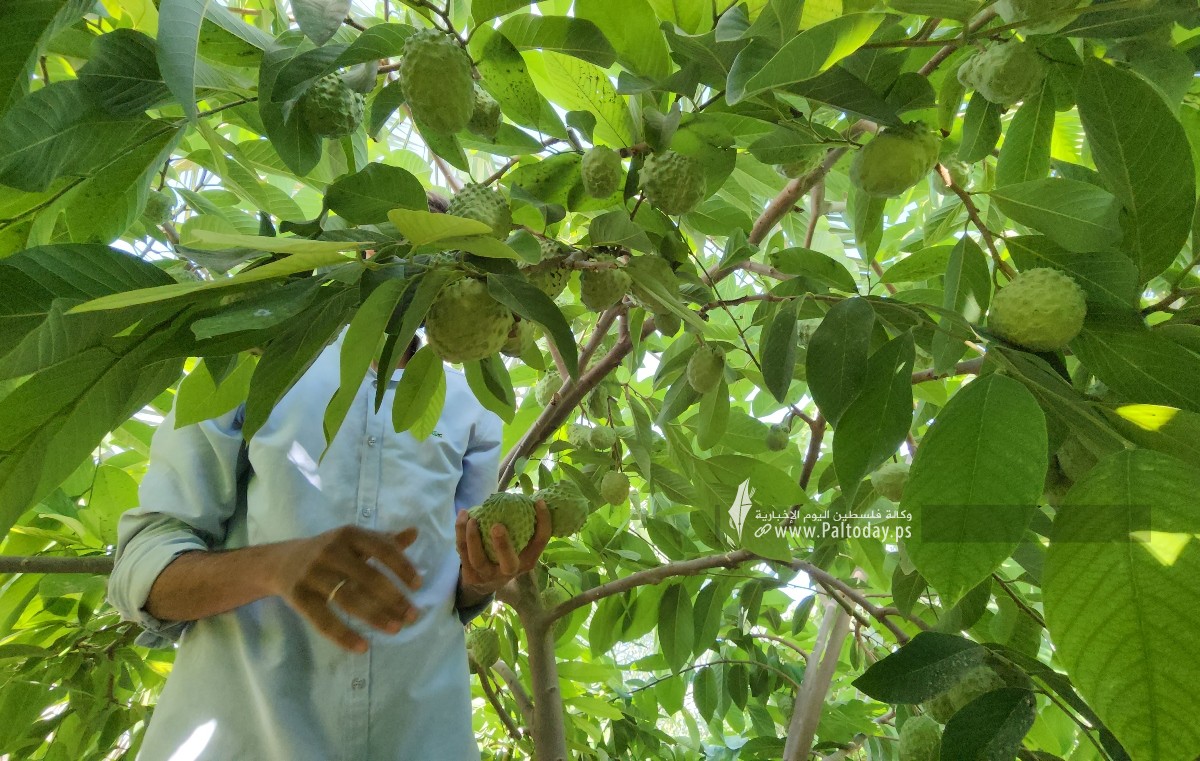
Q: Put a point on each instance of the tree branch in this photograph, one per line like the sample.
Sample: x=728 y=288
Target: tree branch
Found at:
x=816 y=435
x=966 y=367
x=882 y=615
x=783 y=203
x=831 y=636
x=98 y=564
x=973 y=214
x=520 y=696
x=513 y=731
x=979 y=22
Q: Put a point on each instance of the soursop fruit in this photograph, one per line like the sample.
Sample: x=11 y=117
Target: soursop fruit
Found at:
x=603 y=438
x=1041 y=309
x=673 y=183
x=485 y=114
x=667 y=323
x=1018 y=11
x=520 y=338
x=435 y=73
x=465 y=323
x=601 y=288
x=978 y=681
x=550 y=275
x=777 y=438
x=579 y=436
x=614 y=487
x=483 y=647
x=485 y=205
x=516 y=512
x=940 y=708
x=888 y=482
x=567 y=506
x=597 y=402
x=330 y=108
x=601 y=172
x=810 y=159
x=550 y=248
x=920 y=740
x=552 y=597
x=1005 y=73
x=159 y=206
x=705 y=368
x=895 y=160
x=546 y=387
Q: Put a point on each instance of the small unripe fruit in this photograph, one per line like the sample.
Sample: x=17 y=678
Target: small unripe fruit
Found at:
x=777 y=438
x=331 y=109
x=1005 y=73
x=895 y=160
x=465 y=323
x=1041 y=309
x=673 y=183
x=485 y=114
x=546 y=387
x=705 y=368
x=601 y=172
x=614 y=487
x=603 y=438
x=435 y=73
x=920 y=740
x=888 y=482
x=483 y=648
x=482 y=204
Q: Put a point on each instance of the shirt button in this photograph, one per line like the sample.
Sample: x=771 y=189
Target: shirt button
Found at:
x=358 y=684
x=366 y=512
x=372 y=441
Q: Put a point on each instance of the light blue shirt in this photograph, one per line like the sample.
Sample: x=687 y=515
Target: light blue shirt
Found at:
x=259 y=683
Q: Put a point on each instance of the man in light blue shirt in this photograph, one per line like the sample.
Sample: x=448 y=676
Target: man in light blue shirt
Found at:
x=318 y=603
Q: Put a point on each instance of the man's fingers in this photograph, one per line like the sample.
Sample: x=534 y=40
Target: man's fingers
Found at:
x=370 y=610
x=371 y=582
x=506 y=557
x=372 y=545
x=404 y=539
x=313 y=607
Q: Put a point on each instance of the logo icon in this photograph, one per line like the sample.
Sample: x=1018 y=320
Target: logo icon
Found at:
x=741 y=507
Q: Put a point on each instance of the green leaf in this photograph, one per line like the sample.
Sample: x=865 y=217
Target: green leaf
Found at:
x=1076 y=215
x=866 y=213
x=289 y=134
x=122 y=75
x=29 y=24
x=1121 y=601
x=980 y=130
x=713 y=417
x=836 y=362
x=675 y=626
x=1137 y=363
x=179 y=23
x=379 y=41
x=421 y=226
x=366 y=197
x=33 y=278
x=975 y=482
x=1108 y=277
x=967 y=291
x=1165 y=429
x=319 y=19
x=778 y=351
x=632 y=29
x=1142 y=152
x=844 y=91
x=959 y=10
x=1025 y=155
x=488 y=378
x=507 y=79
x=571 y=36
x=200 y=397
x=877 y=422
x=927 y=666
x=532 y=303
x=579 y=86
x=384 y=103
x=420 y=394
x=992 y=726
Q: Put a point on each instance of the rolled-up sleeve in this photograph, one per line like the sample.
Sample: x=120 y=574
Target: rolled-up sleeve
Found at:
x=480 y=476
x=185 y=501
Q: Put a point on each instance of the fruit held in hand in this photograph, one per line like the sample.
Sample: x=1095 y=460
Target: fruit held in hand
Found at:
x=895 y=160
x=330 y=108
x=465 y=323
x=705 y=368
x=673 y=183
x=920 y=740
x=777 y=438
x=516 y=512
x=888 y=482
x=485 y=205
x=567 y=506
x=1041 y=309
x=601 y=288
x=601 y=172
x=614 y=487
x=546 y=387
x=1005 y=73
x=485 y=114
x=436 y=76
x=483 y=647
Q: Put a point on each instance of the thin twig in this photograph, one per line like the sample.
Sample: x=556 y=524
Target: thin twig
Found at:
x=513 y=731
x=520 y=695
x=973 y=214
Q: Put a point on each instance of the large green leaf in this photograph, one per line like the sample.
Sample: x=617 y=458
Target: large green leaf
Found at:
x=578 y=85
x=420 y=394
x=927 y=666
x=676 y=627
x=1076 y=215
x=980 y=130
x=122 y=75
x=632 y=29
x=179 y=23
x=1121 y=600
x=573 y=36
x=836 y=362
x=532 y=303
x=1142 y=153
x=975 y=482
x=367 y=196
x=1165 y=429
x=1025 y=155
x=27 y=25
x=1108 y=277
x=33 y=278
x=319 y=19
x=778 y=355
x=990 y=727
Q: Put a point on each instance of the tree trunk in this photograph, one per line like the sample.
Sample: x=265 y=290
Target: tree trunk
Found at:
x=831 y=636
x=549 y=729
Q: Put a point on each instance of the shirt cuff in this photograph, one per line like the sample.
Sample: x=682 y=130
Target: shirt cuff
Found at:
x=468 y=613
x=135 y=574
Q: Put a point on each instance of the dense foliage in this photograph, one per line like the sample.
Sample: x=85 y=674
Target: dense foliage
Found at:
x=726 y=267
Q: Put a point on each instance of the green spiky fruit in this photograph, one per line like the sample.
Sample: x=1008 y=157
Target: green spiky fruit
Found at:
x=465 y=323
x=705 y=368
x=920 y=740
x=549 y=248
x=673 y=183
x=552 y=597
x=331 y=109
x=888 y=482
x=550 y=275
x=520 y=339
x=777 y=438
x=787 y=706
x=1018 y=11
x=579 y=436
x=1005 y=73
x=158 y=207
x=597 y=403
x=602 y=438
x=895 y=160
x=809 y=160
x=485 y=114
x=601 y=172
x=485 y=205
x=601 y=288
x=546 y=387
x=978 y=681
x=614 y=487
x=960 y=173
x=515 y=512
x=483 y=647
x=940 y=708
x=567 y=506
x=435 y=73
x=667 y=323
x=1041 y=309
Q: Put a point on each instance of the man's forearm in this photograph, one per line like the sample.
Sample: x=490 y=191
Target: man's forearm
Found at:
x=200 y=584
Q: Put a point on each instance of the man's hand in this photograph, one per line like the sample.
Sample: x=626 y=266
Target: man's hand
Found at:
x=480 y=576
x=313 y=574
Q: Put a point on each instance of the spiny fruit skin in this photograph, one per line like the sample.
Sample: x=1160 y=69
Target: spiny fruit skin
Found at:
x=920 y=740
x=1005 y=73
x=614 y=487
x=520 y=338
x=331 y=109
x=546 y=387
x=810 y=159
x=483 y=647
x=550 y=275
x=549 y=248
x=158 y=207
x=465 y=323
x=516 y=512
x=602 y=438
x=673 y=183
x=1016 y=11
x=777 y=438
x=667 y=323
x=579 y=436
x=485 y=114
x=895 y=160
x=601 y=171
x=940 y=708
x=601 y=288
x=485 y=205
x=705 y=367
x=1041 y=309
x=978 y=681
x=889 y=480
x=436 y=76
x=597 y=403
x=567 y=506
